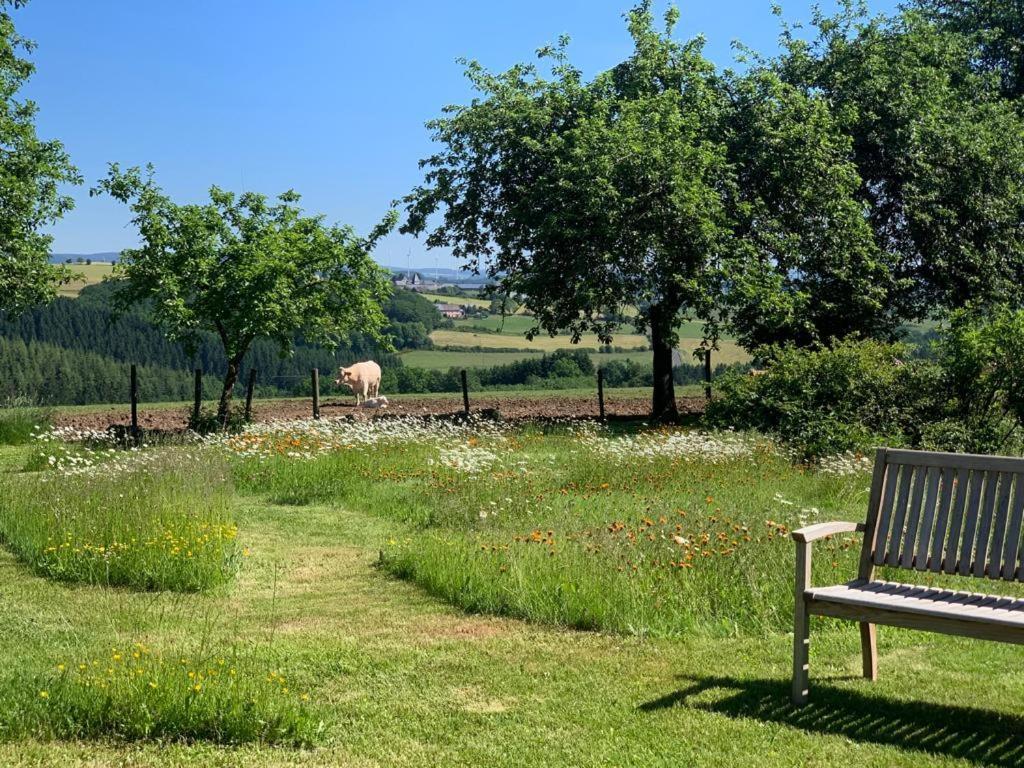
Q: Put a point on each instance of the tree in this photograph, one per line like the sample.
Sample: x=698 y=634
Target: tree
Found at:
x=938 y=150
x=805 y=268
x=583 y=197
x=31 y=172
x=245 y=268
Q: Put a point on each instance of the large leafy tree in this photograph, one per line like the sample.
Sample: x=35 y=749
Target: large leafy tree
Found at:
x=584 y=197
x=662 y=185
x=245 y=268
x=938 y=149
x=31 y=174
x=804 y=267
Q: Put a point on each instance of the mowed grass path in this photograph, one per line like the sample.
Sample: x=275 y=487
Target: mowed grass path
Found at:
x=403 y=680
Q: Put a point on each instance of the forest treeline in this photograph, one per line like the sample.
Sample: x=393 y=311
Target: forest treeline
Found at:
x=79 y=351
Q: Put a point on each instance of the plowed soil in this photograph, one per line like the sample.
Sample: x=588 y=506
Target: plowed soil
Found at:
x=507 y=408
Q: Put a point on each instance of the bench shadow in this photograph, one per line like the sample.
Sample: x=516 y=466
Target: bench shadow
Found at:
x=980 y=736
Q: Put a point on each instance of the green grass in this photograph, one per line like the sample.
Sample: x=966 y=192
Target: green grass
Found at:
x=455 y=340
x=135 y=693
x=580 y=532
x=19 y=422
x=149 y=525
x=459 y=300
x=442 y=360
x=401 y=678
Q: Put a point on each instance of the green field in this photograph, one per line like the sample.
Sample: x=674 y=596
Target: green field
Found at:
x=728 y=352
x=420 y=598
x=85 y=275
x=443 y=360
x=459 y=300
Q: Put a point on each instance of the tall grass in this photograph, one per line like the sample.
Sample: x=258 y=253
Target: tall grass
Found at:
x=20 y=419
x=160 y=522
x=625 y=533
x=136 y=692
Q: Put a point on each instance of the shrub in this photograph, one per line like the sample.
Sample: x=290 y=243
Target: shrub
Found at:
x=208 y=423
x=967 y=395
x=827 y=401
x=135 y=520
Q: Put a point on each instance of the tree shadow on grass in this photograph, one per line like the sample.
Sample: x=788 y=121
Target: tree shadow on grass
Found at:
x=981 y=736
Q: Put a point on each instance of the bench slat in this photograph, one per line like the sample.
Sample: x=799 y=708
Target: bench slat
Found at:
x=899 y=514
x=942 y=519
x=971 y=522
x=1013 y=548
x=994 y=558
x=985 y=523
x=951 y=558
x=965 y=460
x=927 y=518
x=914 y=517
x=885 y=513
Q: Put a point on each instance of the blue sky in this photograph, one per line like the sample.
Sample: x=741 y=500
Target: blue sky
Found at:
x=327 y=97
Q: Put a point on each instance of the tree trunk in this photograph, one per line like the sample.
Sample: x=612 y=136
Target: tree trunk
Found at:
x=230 y=377
x=663 y=403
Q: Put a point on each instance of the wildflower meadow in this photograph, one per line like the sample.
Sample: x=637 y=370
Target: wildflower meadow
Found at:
x=352 y=589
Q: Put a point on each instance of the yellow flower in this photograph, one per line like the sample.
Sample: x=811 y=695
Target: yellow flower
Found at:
x=197 y=687
x=44 y=694
x=60 y=667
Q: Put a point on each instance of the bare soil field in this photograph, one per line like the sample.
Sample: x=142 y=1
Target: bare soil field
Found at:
x=508 y=408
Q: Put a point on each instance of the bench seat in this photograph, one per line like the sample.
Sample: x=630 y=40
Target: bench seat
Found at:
x=931 y=602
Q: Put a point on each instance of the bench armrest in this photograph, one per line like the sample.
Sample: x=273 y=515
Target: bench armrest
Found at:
x=810 y=533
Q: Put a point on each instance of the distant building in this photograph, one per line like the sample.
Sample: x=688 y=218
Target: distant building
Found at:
x=414 y=281
x=451 y=311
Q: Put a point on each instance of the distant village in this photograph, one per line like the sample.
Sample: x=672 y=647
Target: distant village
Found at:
x=416 y=281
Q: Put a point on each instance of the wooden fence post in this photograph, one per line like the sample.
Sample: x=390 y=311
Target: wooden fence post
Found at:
x=316 y=393
x=707 y=373
x=248 y=394
x=135 y=402
x=465 y=392
x=198 y=403
x=600 y=392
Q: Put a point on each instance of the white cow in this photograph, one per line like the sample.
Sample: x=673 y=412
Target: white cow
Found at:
x=361 y=378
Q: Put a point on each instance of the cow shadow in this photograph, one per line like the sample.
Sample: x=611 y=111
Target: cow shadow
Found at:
x=987 y=737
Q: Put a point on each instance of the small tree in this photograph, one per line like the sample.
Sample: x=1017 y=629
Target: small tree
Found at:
x=31 y=171
x=245 y=268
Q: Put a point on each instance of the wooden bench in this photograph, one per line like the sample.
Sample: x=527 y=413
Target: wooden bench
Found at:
x=940 y=512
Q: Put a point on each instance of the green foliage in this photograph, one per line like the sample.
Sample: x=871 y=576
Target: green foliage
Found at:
x=123 y=520
x=31 y=172
x=825 y=401
x=410 y=307
x=982 y=359
x=805 y=268
x=245 y=268
x=209 y=421
x=996 y=27
x=965 y=396
x=935 y=144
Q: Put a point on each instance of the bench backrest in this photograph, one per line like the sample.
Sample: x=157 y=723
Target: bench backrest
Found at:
x=946 y=512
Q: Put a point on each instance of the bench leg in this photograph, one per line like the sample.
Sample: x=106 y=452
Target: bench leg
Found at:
x=869 y=650
x=801 y=652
